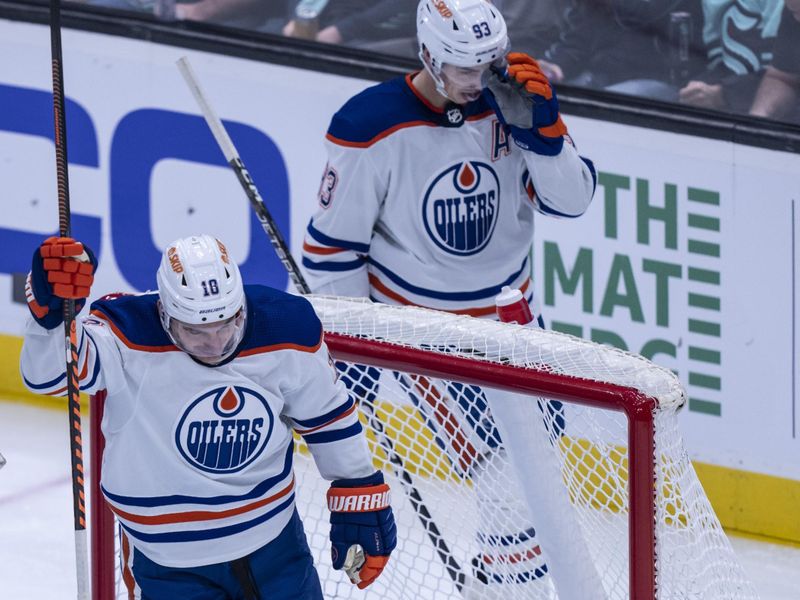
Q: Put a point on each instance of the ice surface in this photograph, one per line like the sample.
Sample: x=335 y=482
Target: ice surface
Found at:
x=36 y=531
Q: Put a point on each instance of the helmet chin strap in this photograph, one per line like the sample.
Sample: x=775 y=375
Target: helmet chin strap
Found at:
x=437 y=78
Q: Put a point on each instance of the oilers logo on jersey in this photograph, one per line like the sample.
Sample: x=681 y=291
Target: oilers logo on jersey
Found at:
x=460 y=207
x=224 y=430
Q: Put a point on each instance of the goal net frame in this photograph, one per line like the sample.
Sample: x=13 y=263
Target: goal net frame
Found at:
x=638 y=408
x=523 y=363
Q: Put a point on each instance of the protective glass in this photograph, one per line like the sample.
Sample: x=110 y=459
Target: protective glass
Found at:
x=210 y=342
x=464 y=83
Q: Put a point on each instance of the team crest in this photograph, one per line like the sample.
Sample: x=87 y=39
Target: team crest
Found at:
x=460 y=207
x=328 y=186
x=224 y=430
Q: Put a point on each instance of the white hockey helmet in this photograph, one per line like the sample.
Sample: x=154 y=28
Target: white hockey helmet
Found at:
x=201 y=297
x=462 y=33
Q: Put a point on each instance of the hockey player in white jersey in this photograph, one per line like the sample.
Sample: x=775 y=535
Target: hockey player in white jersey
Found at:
x=206 y=381
x=428 y=199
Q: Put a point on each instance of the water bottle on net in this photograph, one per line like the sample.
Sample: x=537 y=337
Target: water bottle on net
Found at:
x=512 y=307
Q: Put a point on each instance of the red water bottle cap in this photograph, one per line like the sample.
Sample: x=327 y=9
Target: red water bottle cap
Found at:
x=512 y=307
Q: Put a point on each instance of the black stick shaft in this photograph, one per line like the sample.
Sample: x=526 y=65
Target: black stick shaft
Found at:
x=73 y=385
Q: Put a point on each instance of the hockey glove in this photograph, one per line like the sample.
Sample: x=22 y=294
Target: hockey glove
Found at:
x=526 y=103
x=363 y=533
x=61 y=268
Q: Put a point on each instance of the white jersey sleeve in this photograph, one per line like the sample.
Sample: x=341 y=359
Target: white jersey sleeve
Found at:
x=322 y=412
x=43 y=358
x=350 y=197
x=564 y=183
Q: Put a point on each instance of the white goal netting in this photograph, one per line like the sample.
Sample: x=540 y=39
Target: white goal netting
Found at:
x=570 y=483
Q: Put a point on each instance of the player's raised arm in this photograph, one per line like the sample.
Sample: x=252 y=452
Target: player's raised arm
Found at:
x=61 y=268
x=527 y=105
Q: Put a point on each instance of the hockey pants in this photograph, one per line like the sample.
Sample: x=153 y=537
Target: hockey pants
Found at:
x=283 y=569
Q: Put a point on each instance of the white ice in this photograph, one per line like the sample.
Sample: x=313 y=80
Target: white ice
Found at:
x=36 y=530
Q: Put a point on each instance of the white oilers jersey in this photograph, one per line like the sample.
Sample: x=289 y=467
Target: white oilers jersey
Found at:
x=432 y=208
x=198 y=459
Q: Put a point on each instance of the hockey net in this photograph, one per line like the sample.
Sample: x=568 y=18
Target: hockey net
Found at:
x=523 y=464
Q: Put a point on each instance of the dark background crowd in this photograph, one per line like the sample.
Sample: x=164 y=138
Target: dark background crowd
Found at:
x=740 y=56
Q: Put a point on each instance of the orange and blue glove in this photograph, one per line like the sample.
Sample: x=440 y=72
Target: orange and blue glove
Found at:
x=61 y=269
x=363 y=533
x=526 y=104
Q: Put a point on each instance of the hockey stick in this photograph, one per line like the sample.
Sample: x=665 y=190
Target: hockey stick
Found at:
x=243 y=175
x=73 y=385
x=279 y=244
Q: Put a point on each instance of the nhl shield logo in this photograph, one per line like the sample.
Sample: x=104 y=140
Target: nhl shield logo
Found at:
x=460 y=207
x=455 y=116
x=224 y=430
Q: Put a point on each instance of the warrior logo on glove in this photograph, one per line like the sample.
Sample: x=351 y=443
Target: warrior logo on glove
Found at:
x=363 y=533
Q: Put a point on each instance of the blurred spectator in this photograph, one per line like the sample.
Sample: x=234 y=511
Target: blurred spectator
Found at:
x=778 y=95
x=384 y=25
x=624 y=46
x=738 y=36
x=533 y=25
x=245 y=14
x=389 y=25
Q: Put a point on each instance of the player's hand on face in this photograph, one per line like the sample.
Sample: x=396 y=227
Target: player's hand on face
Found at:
x=62 y=268
x=525 y=101
x=363 y=532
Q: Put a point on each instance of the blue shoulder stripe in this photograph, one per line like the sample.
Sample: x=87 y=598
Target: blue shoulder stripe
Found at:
x=136 y=318
x=379 y=110
x=375 y=110
x=277 y=317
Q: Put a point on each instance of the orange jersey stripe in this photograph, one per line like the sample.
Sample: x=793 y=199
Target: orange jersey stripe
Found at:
x=473 y=312
x=130 y=344
x=349 y=411
x=320 y=250
x=80 y=377
x=201 y=515
x=380 y=136
x=127 y=575
x=275 y=347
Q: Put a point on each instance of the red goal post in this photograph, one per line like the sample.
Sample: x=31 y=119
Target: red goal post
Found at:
x=627 y=516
